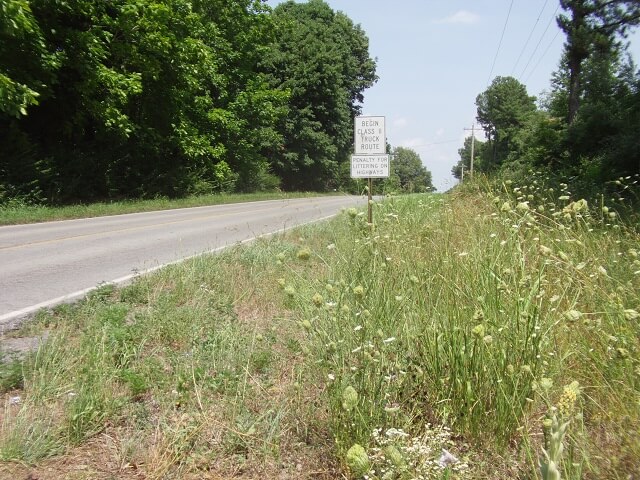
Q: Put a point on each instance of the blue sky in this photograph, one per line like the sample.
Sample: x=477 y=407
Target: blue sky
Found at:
x=435 y=56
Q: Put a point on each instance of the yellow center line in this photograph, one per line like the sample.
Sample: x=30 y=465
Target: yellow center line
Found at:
x=142 y=227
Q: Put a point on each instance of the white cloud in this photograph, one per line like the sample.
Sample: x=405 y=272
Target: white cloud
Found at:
x=461 y=16
x=439 y=132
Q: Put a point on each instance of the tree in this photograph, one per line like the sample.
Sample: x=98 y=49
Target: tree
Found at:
x=601 y=142
x=147 y=97
x=321 y=58
x=503 y=109
x=592 y=26
x=465 y=158
x=412 y=176
x=25 y=63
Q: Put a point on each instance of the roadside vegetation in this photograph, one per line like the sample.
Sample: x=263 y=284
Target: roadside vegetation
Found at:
x=490 y=333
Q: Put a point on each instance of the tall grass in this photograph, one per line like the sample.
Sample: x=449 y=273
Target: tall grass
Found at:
x=480 y=313
x=490 y=333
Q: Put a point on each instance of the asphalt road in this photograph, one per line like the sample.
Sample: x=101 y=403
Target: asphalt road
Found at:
x=45 y=264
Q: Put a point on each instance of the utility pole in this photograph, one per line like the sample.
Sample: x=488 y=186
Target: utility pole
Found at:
x=473 y=140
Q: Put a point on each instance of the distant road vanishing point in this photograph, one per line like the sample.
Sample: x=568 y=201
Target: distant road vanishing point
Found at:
x=45 y=264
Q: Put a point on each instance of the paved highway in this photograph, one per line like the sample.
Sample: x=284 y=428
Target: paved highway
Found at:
x=45 y=264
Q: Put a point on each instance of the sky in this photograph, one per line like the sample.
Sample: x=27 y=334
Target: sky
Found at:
x=435 y=56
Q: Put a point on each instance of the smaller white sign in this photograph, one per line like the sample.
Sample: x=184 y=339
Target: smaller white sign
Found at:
x=369 y=166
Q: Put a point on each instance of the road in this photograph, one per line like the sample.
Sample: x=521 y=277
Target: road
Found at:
x=45 y=264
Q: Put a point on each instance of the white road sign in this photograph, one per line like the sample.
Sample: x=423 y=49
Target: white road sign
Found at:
x=369 y=136
x=369 y=166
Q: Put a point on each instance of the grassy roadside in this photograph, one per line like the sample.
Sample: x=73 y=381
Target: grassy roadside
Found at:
x=13 y=214
x=498 y=327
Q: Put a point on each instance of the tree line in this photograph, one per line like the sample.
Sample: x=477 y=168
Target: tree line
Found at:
x=110 y=99
x=587 y=125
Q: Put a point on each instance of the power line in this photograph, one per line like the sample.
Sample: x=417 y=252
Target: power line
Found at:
x=539 y=42
x=500 y=43
x=526 y=44
x=542 y=56
x=434 y=143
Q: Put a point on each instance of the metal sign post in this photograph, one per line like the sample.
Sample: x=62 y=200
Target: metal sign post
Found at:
x=370 y=203
x=370 y=160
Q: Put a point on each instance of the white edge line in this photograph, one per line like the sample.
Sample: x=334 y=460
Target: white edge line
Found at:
x=12 y=320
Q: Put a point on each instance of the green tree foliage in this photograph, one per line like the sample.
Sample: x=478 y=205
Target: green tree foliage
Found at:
x=321 y=58
x=479 y=160
x=408 y=174
x=503 y=108
x=138 y=98
x=601 y=142
x=591 y=27
x=25 y=64
x=130 y=98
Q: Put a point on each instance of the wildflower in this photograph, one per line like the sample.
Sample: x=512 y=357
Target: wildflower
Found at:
x=281 y=256
x=331 y=246
x=478 y=330
x=544 y=250
x=395 y=433
x=304 y=254
x=289 y=290
x=394 y=456
x=631 y=314
x=572 y=315
x=357 y=460
x=487 y=339
x=317 y=300
x=563 y=197
x=352 y=212
x=447 y=459
x=331 y=377
x=282 y=282
x=358 y=291
x=349 y=398
x=389 y=340
x=345 y=309
x=413 y=279
x=568 y=398
x=622 y=352
x=306 y=324
x=506 y=207
x=546 y=383
x=522 y=206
